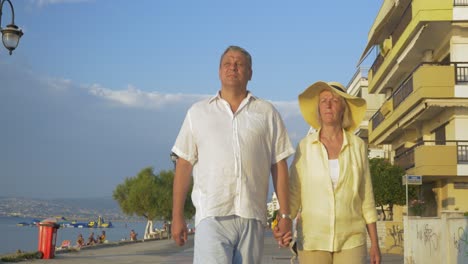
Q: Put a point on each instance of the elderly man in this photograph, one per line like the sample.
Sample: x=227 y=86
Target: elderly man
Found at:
x=231 y=142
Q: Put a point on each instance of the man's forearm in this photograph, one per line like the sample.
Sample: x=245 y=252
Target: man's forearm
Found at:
x=279 y=173
x=181 y=186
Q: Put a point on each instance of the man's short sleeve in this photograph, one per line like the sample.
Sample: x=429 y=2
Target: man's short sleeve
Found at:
x=185 y=146
x=282 y=147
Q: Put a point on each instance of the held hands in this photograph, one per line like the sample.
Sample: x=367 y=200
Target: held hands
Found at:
x=282 y=232
x=179 y=230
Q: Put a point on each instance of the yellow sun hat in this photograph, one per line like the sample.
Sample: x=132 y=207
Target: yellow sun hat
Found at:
x=309 y=99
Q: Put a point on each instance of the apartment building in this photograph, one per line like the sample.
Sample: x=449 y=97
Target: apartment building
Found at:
x=358 y=86
x=422 y=72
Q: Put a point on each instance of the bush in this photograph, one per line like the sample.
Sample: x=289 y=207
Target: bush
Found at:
x=20 y=256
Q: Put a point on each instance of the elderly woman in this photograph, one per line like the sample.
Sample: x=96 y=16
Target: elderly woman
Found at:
x=330 y=181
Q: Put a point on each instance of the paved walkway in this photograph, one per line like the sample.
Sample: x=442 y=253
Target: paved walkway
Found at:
x=166 y=252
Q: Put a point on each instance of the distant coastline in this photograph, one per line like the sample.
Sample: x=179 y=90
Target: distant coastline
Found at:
x=79 y=209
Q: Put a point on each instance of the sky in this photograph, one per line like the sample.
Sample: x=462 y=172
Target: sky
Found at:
x=97 y=89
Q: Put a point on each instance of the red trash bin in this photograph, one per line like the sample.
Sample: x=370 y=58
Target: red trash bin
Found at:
x=47 y=238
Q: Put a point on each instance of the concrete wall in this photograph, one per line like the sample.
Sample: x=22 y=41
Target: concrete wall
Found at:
x=436 y=240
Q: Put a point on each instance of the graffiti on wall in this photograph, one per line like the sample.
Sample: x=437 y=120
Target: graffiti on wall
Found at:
x=396 y=233
x=430 y=238
x=460 y=241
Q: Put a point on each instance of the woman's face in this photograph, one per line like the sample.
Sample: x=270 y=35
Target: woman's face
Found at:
x=331 y=108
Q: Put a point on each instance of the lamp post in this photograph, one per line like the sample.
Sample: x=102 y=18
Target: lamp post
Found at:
x=11 y=34
x=174 y=158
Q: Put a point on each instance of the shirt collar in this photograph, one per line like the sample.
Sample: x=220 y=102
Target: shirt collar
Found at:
x=315 y=137
x=217 y=96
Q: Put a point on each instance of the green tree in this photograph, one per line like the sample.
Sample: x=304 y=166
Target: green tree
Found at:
x=387 y=183
x=149 y=196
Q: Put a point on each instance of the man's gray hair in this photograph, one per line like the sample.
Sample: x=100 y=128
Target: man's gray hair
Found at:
x=237 y=48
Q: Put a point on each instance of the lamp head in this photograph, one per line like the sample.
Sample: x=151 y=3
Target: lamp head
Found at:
x=11 y=35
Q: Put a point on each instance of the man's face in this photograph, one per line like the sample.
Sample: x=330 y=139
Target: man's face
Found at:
x=235 y=69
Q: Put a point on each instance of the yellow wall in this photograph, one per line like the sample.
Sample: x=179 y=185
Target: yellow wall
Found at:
x=460 y=195
x=435 y=161
x=433 y=9
x=460 y=126
x=445 y=117
x=437 y=81
x=393 y=242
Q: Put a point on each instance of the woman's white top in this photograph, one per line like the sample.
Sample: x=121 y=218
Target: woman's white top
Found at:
x=334 y=166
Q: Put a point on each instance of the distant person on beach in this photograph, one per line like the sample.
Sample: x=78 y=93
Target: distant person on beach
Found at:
x=330 y=182
x=133 y=235
x=91 y=239
x=102 y=237
x=80 y=241
x=231 y=142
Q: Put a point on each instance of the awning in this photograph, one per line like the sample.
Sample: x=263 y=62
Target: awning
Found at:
x=388 y=17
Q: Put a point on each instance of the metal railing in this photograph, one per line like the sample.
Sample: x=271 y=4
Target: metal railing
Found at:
x=377 y=63
x=461 y=72
x=402 y=92
x=462 y=153
x=376 y=119
x=460 y=2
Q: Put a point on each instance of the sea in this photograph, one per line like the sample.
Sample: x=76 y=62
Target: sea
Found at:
x=25 y=238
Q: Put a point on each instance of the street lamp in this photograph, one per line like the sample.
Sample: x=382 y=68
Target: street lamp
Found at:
x=11 y=34
x=174 y=158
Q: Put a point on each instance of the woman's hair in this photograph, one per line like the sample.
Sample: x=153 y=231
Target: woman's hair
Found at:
x=346 y=120
x=237 y=48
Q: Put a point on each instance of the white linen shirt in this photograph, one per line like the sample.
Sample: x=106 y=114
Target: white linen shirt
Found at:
x=232 y=154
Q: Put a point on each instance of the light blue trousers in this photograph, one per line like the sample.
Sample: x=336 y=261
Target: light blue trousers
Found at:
x=229 y=239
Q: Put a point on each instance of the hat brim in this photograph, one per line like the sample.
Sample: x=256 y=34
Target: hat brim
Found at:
x=308 y=104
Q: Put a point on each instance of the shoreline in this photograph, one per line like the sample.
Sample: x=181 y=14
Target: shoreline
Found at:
x=74 y=249
x=166 y=251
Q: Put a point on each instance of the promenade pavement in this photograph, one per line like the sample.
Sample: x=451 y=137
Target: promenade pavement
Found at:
x=166 y=252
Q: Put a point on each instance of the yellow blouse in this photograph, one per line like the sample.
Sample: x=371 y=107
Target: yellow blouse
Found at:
x=331 y=219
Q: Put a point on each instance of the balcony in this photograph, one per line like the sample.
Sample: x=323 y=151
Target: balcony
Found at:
x=412 y=27
x=428 y=80
x=433 y=158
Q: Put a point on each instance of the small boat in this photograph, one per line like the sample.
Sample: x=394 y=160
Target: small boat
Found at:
x=100 y=223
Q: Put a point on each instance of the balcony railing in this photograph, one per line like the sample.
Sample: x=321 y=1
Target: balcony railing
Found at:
x=377 y=63
x=462 y=153
x=402 y=92
x=405 y=159
x=376 y=119
x=461 y=72
x=460 y=2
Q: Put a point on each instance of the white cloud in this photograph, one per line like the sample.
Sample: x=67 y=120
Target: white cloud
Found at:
x=287 y=109
x=136 y=98
x=133 y=97
x=58 y=84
